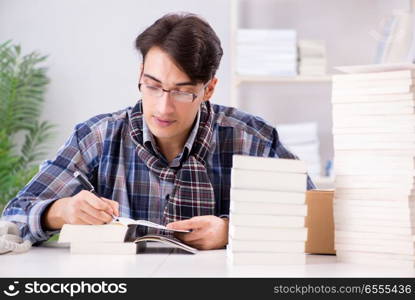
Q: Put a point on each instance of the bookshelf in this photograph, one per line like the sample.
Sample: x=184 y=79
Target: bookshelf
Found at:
x=237 y=80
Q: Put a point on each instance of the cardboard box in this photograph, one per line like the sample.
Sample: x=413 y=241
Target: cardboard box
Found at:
x=320 y=223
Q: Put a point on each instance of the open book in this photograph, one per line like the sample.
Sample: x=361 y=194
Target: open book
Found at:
x=122 y=236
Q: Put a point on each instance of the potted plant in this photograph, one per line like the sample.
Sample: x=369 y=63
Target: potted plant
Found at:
x=23 y=136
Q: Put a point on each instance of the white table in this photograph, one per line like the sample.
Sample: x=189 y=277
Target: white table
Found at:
x=53 y=260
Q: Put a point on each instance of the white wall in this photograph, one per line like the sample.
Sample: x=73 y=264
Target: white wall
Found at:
x=92 y=61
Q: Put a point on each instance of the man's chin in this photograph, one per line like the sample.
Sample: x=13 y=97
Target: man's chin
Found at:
x=163 y=133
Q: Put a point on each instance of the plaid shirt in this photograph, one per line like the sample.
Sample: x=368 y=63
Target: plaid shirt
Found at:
x=103 y=150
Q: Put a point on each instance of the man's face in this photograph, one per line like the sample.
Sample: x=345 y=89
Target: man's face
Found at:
x=167 y=119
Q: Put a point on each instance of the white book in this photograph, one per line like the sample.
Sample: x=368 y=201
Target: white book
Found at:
x=385 y=212
x=374 y=129
x=313 y=72
x=401 y=218
x=394 y=244
x=369 y=146
x=373 y=156
x=266 y=62
x=264 y=72
x=112 y=232
x=373 y=98
x=267 y=221
x=92 y=233
x=103 y=248
x=312 y=48
x=257 y=207
x=264 y=258
x=375 y=203
x=248 y=53
x=389 y=196
x=385 y=248
x=376 y=259
x=340 y=219
x=354 y=162
x=266 y=34
x=266 y=246
x=370 y=120
x=266 y=234
x=382 y=228
x=387 y=178
x=381 y=83
x=372 y=237
x=377 y=256
x=346 y=183
x=267 y=196
x=404 y=179
x=375 y=153
x=312 y=61
x=376 y=137
x=383 y=108
x=385 y=90
x=363 y=216
x=289 y=182
x=399 y=74
x=398 y=110
x=344 y=170
x=279 y=165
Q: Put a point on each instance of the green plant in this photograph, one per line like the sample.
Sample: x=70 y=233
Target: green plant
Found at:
x=22 y=87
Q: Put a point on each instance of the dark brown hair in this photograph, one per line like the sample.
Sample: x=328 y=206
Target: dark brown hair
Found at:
x=189 y=41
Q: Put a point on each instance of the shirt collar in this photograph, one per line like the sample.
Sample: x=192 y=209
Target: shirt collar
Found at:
x=150 y=143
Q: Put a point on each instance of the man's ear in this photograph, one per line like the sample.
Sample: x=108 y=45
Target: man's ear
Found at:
x=210 y=88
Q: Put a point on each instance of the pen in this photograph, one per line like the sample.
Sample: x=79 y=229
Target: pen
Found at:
x=89 y=187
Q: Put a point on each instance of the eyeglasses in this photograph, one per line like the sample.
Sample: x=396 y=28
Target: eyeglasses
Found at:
x=179 y=96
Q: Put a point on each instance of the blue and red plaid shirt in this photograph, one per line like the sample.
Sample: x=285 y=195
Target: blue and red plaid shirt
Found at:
x=103 y=150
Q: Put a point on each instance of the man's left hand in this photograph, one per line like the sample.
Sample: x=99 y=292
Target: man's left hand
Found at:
x=208 y=232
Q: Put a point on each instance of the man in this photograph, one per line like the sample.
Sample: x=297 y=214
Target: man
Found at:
x=168 y=159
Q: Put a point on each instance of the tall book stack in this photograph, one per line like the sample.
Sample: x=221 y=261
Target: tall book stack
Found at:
x=374 y=144
x=266 y=52
x=267 y=211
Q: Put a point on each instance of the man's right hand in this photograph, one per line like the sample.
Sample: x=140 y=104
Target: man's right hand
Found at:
x=83 y=208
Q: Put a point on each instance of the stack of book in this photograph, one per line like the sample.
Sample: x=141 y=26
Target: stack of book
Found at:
x=266 y=52
x=302 y=140
x=121 y=236
x=267 y=211
x=374 y=143
x=312 y=57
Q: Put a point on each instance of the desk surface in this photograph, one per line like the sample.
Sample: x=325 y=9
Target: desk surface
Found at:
x=53 y=260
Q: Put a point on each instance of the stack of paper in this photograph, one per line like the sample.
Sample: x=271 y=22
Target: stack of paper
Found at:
x=374 y=143
x=266 y=52
x=267 y=211
x=302 y=140
x=312 y=57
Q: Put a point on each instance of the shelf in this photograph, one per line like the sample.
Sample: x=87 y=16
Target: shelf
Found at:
x=279 y=79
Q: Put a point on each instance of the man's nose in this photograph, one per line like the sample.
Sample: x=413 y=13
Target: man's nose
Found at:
x=165 y=104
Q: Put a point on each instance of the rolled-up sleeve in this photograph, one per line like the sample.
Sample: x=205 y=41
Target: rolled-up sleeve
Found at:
x=54 y=181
